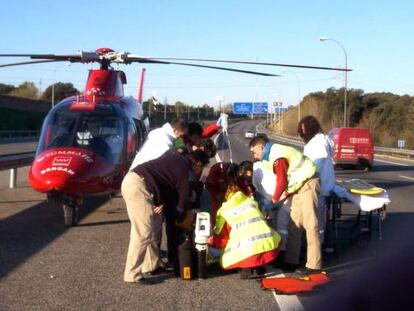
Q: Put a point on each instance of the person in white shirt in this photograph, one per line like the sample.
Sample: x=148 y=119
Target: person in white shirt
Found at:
x=159 y=141
x=318 y=148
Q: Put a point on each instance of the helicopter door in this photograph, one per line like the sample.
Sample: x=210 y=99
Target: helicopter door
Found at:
x=141 y=133
x=131 y=142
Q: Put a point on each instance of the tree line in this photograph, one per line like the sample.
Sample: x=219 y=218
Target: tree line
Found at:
x=29 y=90
x=388 y=116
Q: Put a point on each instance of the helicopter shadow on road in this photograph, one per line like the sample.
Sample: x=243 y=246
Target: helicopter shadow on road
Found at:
x=367 y=248
x=24 y=234
x=382 y=282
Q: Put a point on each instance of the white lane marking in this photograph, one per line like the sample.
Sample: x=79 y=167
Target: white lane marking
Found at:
x=391 y=162
x=406 y=177
x=287 y=302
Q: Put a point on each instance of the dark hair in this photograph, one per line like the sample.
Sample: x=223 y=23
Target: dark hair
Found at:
x=258 y=140
x=312 y=127
x=179 y=125
x=195 y=128
x=244 y=167
x=231 y=184
x=231 y=172
x=199 y=156
x=207 y=146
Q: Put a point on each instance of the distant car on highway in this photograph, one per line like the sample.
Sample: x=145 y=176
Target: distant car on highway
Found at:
x=249 y=134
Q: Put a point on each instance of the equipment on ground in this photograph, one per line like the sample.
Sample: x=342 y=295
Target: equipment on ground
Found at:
x=294 y=285
x=202 y=233
x=186 y=258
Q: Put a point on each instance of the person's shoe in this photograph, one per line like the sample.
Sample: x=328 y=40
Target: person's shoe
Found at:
x=245 y=273
x=305 y=271
x=159 y=270
x=258 y=272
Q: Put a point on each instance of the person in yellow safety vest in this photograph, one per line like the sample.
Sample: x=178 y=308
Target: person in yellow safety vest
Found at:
x=241 y=232
x=296 y=178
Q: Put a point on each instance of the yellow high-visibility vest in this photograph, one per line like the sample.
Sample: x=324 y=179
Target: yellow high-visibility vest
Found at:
x=250 y=235
x=301 y=168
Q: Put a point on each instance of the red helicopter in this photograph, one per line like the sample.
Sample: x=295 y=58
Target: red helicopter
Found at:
x=89 y=141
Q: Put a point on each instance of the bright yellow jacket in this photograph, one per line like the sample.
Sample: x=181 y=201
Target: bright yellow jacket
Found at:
x=300 y=168
x=249 y=235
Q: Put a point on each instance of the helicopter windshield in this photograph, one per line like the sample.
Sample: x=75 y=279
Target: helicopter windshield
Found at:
x=99 y=130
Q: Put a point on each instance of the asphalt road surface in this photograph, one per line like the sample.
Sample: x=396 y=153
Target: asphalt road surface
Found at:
x=45 y=266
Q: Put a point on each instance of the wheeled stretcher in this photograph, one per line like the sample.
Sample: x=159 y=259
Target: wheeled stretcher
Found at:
x=371 y=203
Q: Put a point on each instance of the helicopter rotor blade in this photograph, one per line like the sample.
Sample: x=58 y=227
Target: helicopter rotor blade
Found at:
x=126 y=58
x=30 y=62
x=152 y=61
x=82 y=56
x=248 y=63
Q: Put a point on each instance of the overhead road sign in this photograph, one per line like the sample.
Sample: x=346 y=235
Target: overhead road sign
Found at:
x=243 y=108
x=260 y=108
x=280 y=109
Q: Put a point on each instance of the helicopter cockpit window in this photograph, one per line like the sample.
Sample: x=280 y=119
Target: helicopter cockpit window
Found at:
x=99 y=131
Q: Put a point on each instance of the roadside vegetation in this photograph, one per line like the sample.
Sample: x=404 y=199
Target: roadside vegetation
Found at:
x=389 y=117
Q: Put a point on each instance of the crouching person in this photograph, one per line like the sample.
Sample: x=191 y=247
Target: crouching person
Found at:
x=241 y=233
x=163 y=185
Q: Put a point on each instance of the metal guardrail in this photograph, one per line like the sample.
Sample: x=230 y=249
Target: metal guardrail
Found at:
x=10 y=161
x=13 y=162
x=299 y=142
x=407 y=152
x=285 y=138
x=19 y=134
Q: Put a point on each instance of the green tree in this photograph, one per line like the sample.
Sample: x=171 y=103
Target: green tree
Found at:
x=26 y=90
x=61 y=90
x=179 y=108
x=5 y=89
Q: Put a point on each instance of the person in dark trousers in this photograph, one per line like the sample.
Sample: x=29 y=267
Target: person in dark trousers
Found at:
x=163 y=185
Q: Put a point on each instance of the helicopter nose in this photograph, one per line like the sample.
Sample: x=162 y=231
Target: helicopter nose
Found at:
x=57 y=182
x=59 y=170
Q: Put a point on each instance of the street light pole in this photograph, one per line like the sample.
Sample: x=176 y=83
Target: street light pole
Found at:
x=220 y=99
x=299 y=95
x=346 y=74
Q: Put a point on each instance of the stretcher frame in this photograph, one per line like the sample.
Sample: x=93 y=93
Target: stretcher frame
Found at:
x=358 y=232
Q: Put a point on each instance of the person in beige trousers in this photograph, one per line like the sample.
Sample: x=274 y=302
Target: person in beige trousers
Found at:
x=296 y=179
x=148 y=190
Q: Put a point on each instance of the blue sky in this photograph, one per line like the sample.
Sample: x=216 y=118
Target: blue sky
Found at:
x=377 y=36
